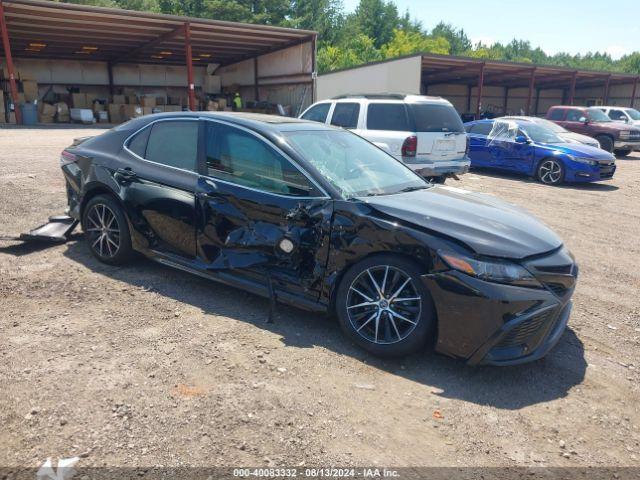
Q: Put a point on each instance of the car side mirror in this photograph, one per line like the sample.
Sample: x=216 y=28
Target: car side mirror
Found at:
x=522 y=139
x=584 y=120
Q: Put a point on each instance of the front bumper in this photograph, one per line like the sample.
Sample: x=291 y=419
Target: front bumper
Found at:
x=584 y=173
x=437 y=168
x=487 y=323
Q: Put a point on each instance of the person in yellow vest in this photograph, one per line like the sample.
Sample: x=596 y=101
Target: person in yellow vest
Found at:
x=237 y=101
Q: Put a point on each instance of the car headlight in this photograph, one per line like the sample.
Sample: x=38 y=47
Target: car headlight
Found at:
x=499 y=271
x=586 y=161
x=625 y=134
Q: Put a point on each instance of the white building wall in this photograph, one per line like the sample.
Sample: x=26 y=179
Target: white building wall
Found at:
x=396 y=76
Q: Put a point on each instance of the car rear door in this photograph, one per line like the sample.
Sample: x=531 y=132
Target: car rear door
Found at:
x=260 y=215
x=440 y=131
x=158 y=178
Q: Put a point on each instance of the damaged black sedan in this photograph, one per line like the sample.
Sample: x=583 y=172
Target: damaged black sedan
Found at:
x=321 y=219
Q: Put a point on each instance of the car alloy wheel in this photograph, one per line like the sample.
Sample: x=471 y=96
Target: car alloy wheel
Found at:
x=383 y=305
x=550 y=172
x=103 y=230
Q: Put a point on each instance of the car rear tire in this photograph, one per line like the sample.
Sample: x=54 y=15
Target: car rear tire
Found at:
x=383 y=306
x=606 y=143
x=106 y=230
x=622 y=153
x=550 y=172
x=438 y=180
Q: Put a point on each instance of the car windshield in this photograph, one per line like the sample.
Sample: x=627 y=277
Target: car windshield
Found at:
x=540 y=134
x=597 y=115
x=352 y=165
x=554 y=127
x=633 y=113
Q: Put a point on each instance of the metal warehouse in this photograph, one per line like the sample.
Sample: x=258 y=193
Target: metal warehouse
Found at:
x=130 y=63
x=477 y=86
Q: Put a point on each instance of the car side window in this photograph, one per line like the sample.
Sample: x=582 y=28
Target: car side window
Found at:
x=345 y=115
x=387 y=116
x=317 y=113
x=138 y=144
x=575 y=115
x=617 y=115
x=174 y=143
x=481 y=129
x=240 y=157
x=557 y=114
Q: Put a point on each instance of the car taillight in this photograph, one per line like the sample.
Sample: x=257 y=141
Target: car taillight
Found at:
x=67 y=157
x=410 y=146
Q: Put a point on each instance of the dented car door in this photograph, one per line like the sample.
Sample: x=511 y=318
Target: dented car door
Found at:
x=259 y=215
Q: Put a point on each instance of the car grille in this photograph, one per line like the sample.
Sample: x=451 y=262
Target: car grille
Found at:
x=557 y=288
x=522 y=333
x=607 y=169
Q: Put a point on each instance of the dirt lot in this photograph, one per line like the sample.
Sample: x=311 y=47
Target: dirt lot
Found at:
x=145 y=365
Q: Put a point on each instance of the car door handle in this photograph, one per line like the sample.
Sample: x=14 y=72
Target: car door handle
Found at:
x=126 y=174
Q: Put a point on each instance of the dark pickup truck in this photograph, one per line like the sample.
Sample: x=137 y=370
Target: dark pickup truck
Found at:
x=613 y=136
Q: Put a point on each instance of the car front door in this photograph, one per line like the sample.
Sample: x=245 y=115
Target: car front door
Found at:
x=260 y=216
x=501 y=144
x=576 y=121
x=158 y=178
x=478 y=148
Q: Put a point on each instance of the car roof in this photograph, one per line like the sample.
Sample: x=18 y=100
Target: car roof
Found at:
x=254 y=121
x=388 y=97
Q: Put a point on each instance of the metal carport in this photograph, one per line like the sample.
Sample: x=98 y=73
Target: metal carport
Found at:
x=61 y=31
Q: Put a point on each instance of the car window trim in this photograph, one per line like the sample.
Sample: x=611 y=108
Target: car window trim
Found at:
x=150 y=125
x=325 y=195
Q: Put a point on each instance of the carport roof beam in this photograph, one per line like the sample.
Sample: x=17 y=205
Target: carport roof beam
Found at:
x=133 y=36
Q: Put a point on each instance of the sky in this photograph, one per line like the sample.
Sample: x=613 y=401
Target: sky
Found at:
x=574 y=26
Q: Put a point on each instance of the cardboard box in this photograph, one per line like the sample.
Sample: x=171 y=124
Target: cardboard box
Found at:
x=115 y=112
x=2 y=108
x=147 y=110
x=161 y=101
x=172 y=108
x=132 y=99
x=98 y=107
x=79 y=100
x=120 y=99
x=212 y=106
x=223 y=103
x=148 y=101
x=30 y=89
x=102 y=116
x=131 y=111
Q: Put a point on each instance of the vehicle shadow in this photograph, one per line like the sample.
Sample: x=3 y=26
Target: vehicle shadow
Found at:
x=591 y=186
x=504 y=388
x=18 y=248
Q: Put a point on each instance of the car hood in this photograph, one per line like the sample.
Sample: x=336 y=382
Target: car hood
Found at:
x=577 y=137
x=581 y=150
x=484 y=223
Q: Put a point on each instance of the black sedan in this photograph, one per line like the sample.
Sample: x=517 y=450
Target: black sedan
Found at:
x=321 y=219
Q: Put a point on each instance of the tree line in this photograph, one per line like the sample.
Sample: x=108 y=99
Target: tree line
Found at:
x=376 y=30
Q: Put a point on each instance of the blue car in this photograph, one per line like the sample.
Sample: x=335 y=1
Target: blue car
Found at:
x=522 y=146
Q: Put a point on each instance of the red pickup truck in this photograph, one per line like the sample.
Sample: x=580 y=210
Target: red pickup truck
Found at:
x=613 y=136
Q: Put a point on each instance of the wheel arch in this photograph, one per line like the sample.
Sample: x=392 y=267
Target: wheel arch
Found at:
x=93 y=190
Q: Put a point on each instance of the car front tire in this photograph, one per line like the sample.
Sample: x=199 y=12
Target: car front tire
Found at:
x=606 y=143
x=550 y=172
x=106 y=230
x=383 y=306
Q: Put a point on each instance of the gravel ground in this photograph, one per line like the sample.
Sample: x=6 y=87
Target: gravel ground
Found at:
x=148 y=366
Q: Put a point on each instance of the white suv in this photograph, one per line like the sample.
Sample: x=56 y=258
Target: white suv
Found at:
x=426 y=133
x=627 y=115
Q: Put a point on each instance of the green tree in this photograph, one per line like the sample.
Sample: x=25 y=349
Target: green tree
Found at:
x=457 y=39
x=323 y=16
x=377 y=19
x=405 y=43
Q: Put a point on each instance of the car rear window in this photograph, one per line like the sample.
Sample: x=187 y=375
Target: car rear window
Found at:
x=436 y=118
x=345 y=115
x=556 y=114
x=481 y=128
x=388 y=116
